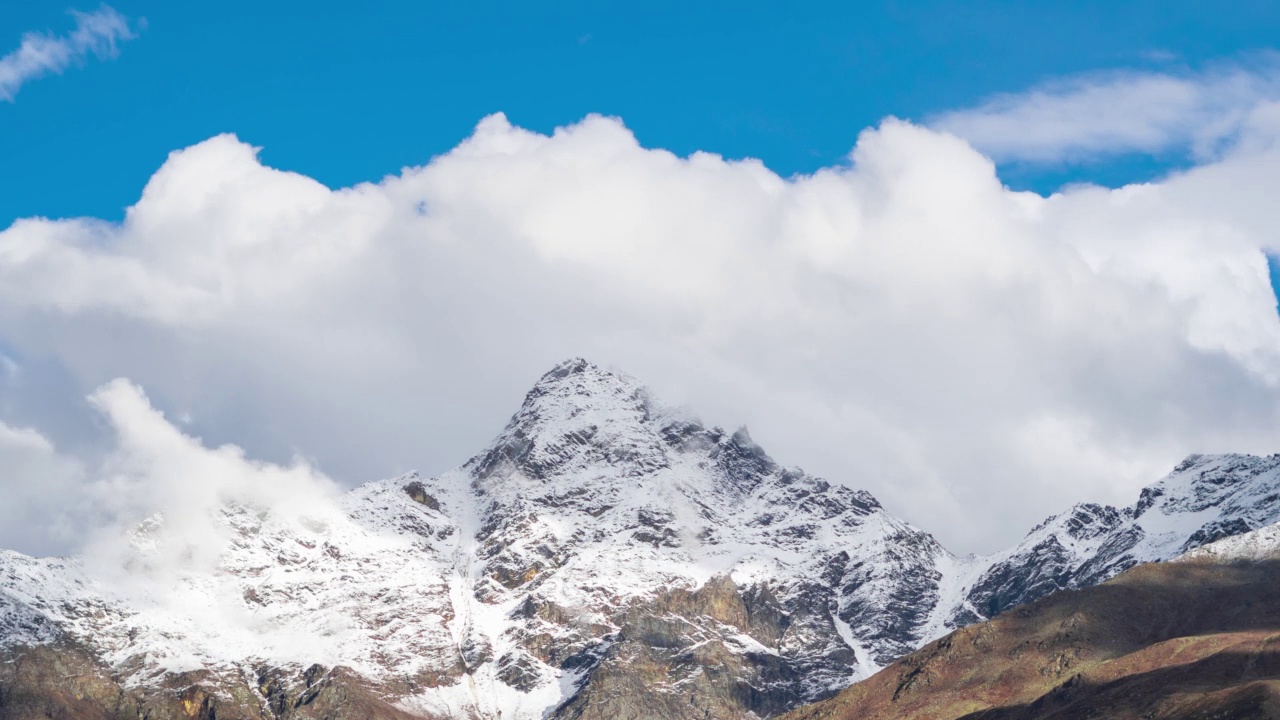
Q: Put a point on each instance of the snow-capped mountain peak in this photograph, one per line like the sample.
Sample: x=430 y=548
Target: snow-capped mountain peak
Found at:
x=1205 y=498
x=600 y=537
x=576 y=416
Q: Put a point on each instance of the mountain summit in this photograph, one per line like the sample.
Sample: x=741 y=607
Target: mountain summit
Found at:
x=605 y=556
x=597 y=503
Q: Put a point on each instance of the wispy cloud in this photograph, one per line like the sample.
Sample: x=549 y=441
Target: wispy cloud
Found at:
x=1093 y=116
x=96 y=33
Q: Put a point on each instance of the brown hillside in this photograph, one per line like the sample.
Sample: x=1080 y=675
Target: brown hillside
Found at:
x=1170 y=640
x=62 y=681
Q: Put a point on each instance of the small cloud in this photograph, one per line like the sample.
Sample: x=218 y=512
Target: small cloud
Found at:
x=96 y=33
x=1159 y=55
x=1098 y=115
x=584 y=39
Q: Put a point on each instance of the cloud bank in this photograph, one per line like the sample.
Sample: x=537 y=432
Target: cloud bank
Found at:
x=975 y=357
x=170 y=481
x=96 y=33
x=160 y=515
x=153 y=474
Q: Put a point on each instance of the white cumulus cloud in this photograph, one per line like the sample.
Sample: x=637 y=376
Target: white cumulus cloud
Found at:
x=976 y=357
x=157 y=472
x=96 y=33
x=151 y=471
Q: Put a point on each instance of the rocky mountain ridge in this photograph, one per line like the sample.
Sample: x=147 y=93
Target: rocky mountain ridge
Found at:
x=1184 y=640
x=604 y=556
x=1204 y=499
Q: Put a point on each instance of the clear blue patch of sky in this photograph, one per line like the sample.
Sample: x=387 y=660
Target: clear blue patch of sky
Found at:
x=1273 y=266
x=348 y=92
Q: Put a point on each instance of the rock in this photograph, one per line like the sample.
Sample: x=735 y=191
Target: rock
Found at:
x=418 y=493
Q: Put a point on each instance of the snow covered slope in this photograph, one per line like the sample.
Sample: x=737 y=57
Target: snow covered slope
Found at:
x=595 y=500
x=604 y=556
x=499 y=588
x=1205 y=498
x=1255 y=545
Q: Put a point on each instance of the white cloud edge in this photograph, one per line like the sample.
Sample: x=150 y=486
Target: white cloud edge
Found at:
x=1091 y=116
x=152 y=470
x=96 y=33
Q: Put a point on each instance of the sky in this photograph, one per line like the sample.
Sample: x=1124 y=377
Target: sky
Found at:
x=984 y=260
x=346 y=95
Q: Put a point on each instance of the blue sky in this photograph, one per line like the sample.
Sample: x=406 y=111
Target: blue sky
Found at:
x=346 y=95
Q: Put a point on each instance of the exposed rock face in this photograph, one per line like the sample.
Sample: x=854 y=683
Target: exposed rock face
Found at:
x=604 y=556
x=66 y=680
x=1205 y=498
x=1195 y=639
x=664 y=564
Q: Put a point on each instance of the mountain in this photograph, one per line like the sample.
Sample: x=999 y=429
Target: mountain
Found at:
x=1205 y=498
x=605 y=556
x=1195 y=638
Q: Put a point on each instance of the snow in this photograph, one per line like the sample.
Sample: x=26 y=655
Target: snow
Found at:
x=593 y=498
x=864 y=667
x=1260 y=544
x=958 y=577
x=1204 y=498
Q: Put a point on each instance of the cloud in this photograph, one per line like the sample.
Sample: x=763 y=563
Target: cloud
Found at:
x=978 y=358
x=159 y=515
x=171 y=484
x=42 y=490
x=1092 y=116
x=96 y=33
x=152 y=473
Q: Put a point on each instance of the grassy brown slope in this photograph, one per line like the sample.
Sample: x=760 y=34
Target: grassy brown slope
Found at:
x=63 y=681
x=1173 y=640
